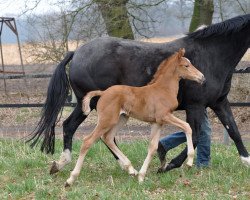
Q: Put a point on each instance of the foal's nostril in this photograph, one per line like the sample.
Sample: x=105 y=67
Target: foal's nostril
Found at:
x=203 y=80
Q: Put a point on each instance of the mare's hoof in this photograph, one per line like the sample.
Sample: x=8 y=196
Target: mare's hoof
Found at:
x=160 y=170
x=168 y=167
x=54 y=169
x=245 y=161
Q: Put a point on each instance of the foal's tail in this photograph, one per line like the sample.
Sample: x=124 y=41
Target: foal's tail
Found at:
x=86 y=100
x=56 y=97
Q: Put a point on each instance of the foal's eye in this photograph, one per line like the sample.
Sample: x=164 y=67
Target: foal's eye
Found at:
x=186 y=65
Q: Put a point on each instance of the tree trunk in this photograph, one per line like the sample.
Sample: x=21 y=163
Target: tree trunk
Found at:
x=115 y=15
x=202 y=14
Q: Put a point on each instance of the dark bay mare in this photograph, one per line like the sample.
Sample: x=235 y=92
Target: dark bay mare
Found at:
x=103 y=62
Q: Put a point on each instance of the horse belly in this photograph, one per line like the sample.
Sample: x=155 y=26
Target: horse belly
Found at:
x=143 y=113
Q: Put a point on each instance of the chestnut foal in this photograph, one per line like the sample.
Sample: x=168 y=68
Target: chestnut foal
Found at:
x=153 y=103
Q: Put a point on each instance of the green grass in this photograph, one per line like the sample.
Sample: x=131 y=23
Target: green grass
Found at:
x=24 y=174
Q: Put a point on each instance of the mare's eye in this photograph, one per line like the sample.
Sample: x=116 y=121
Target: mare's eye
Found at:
x=186 y=65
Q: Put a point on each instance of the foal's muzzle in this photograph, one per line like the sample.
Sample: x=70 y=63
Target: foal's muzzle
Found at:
x=202 y=80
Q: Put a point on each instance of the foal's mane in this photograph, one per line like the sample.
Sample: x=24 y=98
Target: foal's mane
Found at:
x=225 y=28
x=161 y=68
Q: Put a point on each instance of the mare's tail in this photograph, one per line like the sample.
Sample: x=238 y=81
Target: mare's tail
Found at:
x=56 y=97
x=86 y=100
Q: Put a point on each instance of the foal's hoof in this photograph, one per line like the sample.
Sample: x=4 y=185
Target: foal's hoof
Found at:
x=133 y=173
x=54 y=169
x=141 y=178
x=66 y=185
x=189 y=164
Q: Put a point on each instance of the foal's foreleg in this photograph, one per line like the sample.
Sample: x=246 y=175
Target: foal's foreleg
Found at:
x=155 y=136
x=171 y=119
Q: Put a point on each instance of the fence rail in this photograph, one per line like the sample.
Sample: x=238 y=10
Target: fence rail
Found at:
x=38 y=105
x=22 y=76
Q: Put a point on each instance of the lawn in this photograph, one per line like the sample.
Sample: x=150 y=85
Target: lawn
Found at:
x=25 y=175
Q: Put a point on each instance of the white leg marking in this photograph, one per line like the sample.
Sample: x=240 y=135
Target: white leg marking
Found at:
x=65 y=158
x=245 y=160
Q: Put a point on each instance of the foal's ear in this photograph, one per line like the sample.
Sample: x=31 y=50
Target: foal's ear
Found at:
x=181 y=52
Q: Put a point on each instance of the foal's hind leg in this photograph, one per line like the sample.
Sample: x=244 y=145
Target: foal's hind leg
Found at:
x=155 y=136
x=69 y=127
x=171 y=119
x=87 y=143
x=108 y=138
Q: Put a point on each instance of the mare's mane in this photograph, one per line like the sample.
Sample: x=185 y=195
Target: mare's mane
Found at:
x=161 y=68
x=224 y=28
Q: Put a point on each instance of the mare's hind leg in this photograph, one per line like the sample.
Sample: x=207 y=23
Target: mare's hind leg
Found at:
x=155 y=136
x=108 y=139
x=69 y=127
x=87 y=143
x=171 y=119
x=224 y=113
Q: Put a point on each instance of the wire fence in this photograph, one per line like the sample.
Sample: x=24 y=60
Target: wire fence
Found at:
x=69 y=104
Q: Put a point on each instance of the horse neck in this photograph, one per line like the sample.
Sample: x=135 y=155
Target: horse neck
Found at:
x=232 y=49
x=168 y=79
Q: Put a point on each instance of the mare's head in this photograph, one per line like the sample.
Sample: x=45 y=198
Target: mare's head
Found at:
x=185 y=69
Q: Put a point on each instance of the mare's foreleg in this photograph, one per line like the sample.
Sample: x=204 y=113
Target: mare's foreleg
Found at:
x=224 y=113
x=69 y=127
x=154 y=139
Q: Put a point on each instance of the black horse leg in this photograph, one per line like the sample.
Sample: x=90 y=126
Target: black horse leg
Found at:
x=69 y=127
x=224 y=113
x=195 y=115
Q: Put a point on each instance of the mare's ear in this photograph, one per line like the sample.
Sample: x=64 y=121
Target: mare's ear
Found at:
x=181 y=52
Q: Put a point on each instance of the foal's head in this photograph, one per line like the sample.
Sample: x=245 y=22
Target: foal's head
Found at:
x=186 y=70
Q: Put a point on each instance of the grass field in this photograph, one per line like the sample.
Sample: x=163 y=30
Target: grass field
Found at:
x=24 y=175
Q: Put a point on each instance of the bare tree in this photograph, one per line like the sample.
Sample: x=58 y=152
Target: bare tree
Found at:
x=84 y=19
x=115 y=15
x=202 y=14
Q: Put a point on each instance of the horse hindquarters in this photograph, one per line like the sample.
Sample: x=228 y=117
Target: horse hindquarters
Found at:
x=56 y=97
x=224 y=113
